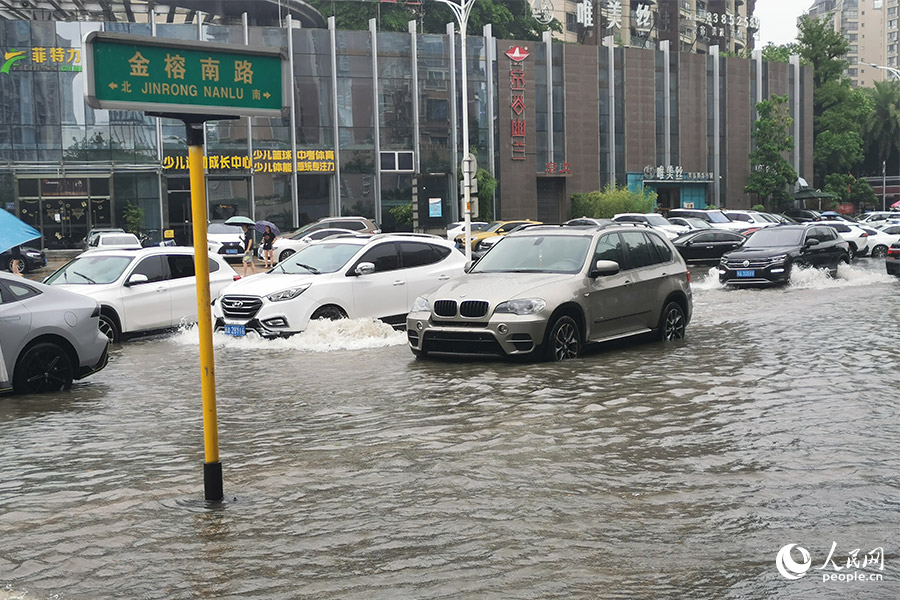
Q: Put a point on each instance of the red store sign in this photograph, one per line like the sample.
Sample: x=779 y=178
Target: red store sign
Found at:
x=518 y=127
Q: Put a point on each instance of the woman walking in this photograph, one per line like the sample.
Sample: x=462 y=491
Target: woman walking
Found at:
x=248 y=250
x=268 y=237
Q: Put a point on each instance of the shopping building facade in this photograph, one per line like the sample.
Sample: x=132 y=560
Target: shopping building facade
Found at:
x=374 y=125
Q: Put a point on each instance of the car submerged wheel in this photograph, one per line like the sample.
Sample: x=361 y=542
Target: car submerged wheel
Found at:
x=879 y=251
x=672 y=322
x=563 y=340
x=109 y=328
x=330 y=312
x=45 y=367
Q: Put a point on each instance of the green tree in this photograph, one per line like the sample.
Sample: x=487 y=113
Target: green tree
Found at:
x=612 y=200
x=133 y=217
x=770 y=171
x=839 y=110
x=850 y=189
x=779 y=53
x=510 y=19
x=487 y=183
x=881 y=130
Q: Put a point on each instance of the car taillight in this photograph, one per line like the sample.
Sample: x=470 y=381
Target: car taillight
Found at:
x=688 y=273
x=894 y=251
x=864 y=234
x=236 y=277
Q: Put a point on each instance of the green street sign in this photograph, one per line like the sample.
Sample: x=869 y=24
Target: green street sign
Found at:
x=128 y=72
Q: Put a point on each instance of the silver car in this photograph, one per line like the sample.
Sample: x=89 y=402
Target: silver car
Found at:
x=548 y=290
x=50 y=336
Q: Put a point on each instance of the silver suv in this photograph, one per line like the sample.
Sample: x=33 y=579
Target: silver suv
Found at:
x=548 y=290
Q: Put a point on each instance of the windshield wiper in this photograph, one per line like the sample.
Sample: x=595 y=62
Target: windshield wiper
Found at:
x=83 y=276
x=312 y=270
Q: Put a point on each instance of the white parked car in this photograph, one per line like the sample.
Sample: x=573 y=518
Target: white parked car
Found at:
x=225 y=240
x=689 y=223
x=654 y=220
x=855 y=236
x=341 y=277
x=141 y=290
x=880 y=241
x=113 y=240
x=284 y=246
x=878 y=217
x=750 y=218
x=457 y=227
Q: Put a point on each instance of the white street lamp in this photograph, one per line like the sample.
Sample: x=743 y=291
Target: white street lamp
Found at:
x=462 y=11
x=896 y=73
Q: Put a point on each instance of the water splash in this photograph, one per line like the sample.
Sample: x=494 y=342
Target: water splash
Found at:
x=807 y=278
x=320 y=336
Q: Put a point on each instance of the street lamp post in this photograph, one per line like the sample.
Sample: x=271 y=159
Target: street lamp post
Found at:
x=896 y=73
x=461 y=11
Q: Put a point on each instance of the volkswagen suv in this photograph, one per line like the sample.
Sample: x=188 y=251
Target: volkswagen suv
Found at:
x=545 y=291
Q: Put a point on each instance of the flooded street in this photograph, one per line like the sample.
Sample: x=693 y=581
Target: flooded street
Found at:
x=354 y=471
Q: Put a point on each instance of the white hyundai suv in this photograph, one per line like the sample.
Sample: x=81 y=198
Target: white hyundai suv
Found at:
x=141 y=290
x=353 y=277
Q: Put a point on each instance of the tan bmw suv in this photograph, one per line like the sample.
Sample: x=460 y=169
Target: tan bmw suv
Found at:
x=549 y=290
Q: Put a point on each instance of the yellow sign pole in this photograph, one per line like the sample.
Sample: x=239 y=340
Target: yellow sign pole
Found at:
x=212 y=468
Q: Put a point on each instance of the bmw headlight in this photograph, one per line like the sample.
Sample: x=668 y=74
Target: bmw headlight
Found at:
x=521 y=306
x=421 y=305
x=288 y=294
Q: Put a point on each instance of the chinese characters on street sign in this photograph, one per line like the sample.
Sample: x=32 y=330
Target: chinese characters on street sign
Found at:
x=262 y=161
x=518 y=128
x=165 y=76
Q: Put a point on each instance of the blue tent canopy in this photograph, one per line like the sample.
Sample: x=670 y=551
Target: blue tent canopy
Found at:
x=14 y=231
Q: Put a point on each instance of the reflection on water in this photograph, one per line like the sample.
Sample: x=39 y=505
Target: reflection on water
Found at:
x=641 y=470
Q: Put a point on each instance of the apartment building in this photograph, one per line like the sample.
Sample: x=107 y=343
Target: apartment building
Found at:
x=689 y=25
x=871 y=27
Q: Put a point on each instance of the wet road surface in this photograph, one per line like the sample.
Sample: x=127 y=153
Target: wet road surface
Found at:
x=641 y=470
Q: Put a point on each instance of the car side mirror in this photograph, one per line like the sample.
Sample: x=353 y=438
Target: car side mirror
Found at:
x=603 y=268
x=365 y=268
x=468 y=266
x=689 y=243
x=812 y=242
x=137 y=279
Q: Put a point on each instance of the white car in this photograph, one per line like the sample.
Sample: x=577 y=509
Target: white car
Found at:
x=878 y=217
x=114 y=240
x=855 y=236
x=750 y=218
x=880 y=241
x=457 y=227
x=225 y=240
x=689 y=223
x=654 y=220
x=284 y=246
x=141 y=290
x=344 y=277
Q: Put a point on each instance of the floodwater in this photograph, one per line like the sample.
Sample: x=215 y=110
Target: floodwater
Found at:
x=354 y=471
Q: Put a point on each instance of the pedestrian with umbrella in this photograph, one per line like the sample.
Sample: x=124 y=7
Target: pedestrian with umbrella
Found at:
x=269 y=233
x=247 y=241
x=13 y=233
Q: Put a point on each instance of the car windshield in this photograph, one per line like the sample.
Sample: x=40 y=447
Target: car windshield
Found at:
x=536 y=254
x=717 y=216
x=698 y=223
x=657 y=220
x=491 y=227
x=113 y=240
x=88 y=270
x=318 y=258
x=222 y=228
x=774 y=237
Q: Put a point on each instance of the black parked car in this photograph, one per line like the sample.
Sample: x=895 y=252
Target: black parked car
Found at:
x=802 y=215
x=31 y=259
x=769 y=254
x=892 y=259
x=707 y=245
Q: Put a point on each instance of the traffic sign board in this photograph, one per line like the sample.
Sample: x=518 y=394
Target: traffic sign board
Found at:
x=470 y=165
x=128 y=72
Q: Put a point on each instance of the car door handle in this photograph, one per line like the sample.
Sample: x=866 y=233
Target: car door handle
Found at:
x=627 y=284
x=12 y=318
x=444 y=277
x=398 y=282
x=160 y=289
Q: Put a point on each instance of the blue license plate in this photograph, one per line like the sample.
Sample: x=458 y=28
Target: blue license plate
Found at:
x=746 y=273
x=231 y=250
x=235 y=330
